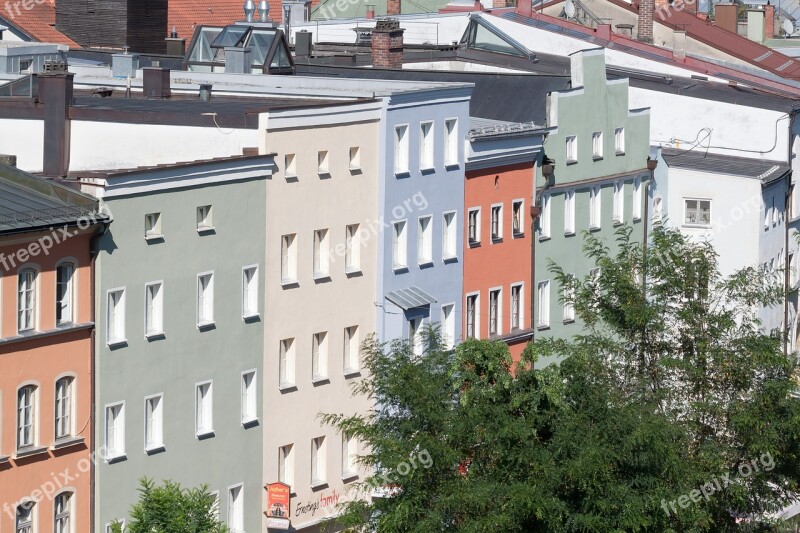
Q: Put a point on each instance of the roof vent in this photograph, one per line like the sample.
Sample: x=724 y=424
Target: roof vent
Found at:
x=249 y=10
x=263 y=11
x=156 y=82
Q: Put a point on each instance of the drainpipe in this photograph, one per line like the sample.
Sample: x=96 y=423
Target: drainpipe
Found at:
x=651 y=166
x=548 y=168
x=786 y=265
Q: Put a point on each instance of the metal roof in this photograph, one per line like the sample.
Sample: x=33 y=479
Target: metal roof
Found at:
x=697 y=159
x=410 y=298
x=29 y=202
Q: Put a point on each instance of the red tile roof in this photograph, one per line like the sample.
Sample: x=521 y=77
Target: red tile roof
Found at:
x=38 y=22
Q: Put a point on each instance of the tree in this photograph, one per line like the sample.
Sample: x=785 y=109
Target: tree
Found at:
x=670 y=389
x=169 y=508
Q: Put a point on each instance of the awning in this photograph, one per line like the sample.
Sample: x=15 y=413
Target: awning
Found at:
x=410 y=298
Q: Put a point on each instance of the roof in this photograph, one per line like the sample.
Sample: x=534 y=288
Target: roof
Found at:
x=764 y=170
x=37 y=23
x=484 y=127
x=330 y=9
x=410 y=298
x=28 y=203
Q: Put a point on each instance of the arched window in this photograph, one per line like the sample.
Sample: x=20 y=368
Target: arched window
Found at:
x=64 y=402
x=64 y=293
x=24 y=519
x=62 y=519
x=26 y=416
x=26 y=301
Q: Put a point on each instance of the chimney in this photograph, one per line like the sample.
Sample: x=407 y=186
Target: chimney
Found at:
x=755 y=25
x=392 y=8
x=370 y=11
x=387 y=44
x=603 y=31
x=679 y=44
x=646 y=8
x=10 y=160
x=769 y=21
x=55 y=93
x=156 y=82
x=726 y=16
x=238 y=60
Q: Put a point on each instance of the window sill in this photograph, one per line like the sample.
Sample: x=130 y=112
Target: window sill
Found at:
x=518 y=234
x=290 y=177
x=204 y=434
x=542 y=326
x=205 y=230
x=400 y=268
x=155 y=448
x=111 y=459
x=322 y=276
x=597 y=158
x=497 y=240
x=251 y=317
x=318 y=484
x=618 y=222
x=352 y=271
x=154 y=237
x=427 y=170
x=206 y=325
x=250 y=422
x=154 y=335
x=402 y=173
x=637 y=218
x=569 y=321
x=4 y=459
x=351 y=372
x=450 y=259
x=320 y=380
x=619 y=152
x=594 y=228
x=30 y=451
x=572 y=161
x=698 y=226
x=289 y=282
x=452 y=166
x=287 y=387
x=543 y=238
x=570 y=233
x=474 y=244
x=117 y=343
x=355 y=169
x=324 y=174
x=67 y=442
x=347 y=477
x=425 y=263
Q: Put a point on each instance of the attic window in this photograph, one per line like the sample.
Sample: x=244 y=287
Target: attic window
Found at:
x=479 y=36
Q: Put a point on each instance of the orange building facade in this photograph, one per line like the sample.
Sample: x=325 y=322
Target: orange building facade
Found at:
x=46 y=329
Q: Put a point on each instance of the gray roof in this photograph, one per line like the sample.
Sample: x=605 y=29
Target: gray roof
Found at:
x=410 y=298
x=699 y=160
x=28 y=203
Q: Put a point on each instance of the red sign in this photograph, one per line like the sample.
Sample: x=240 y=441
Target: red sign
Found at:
x=278 y=496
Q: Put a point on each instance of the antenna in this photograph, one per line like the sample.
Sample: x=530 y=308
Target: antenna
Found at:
x=788 y=27
x=569 y=9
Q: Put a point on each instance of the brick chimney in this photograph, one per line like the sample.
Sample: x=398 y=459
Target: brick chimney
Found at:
x=387 y=44
x=645 y=31
x=392 y=8
x=55 y=94
x=769 y=21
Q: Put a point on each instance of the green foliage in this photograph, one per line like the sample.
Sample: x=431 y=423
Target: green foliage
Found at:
x=670 y=386
x=172 y=509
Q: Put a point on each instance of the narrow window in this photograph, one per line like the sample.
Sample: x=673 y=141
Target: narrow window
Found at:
x=319 y=356
x=572 y=149
x=637 y=199
x=472 y=310
x=415 y=335
x=115 y=431
x=64 y=293
x=569 y=299
x=619 y=141
x=355 y=158
x=594 y=207
x=204 y=221
x=289 y=258
x=497 y=222
x=597 y=145
x=24 y=517
x=321 y=253
x=64 y=403
x=290 y=167
x=544 y=220
x=449 y=242
x=399 y=245
x=401 y=149
x=448 y=326
x=286 y=464
x=474 y=225
x=249 y=396
x=451 y=142
x=26 y=417
x=152 y=226
x=205 y=299
x=154 y=422
x=236 y=509
x=318 y=461
x=516 y=307
x=154 y=309
x=115 y=319
x=26 y=302
x=619 y=202
x=351 y=350
x=62 y=513
x=322 y=162
x=494 y=312
x=204 y=409
x=349 y=454
x=544 y=304
x=516 y=217
x=352 y=258
x=569 y=213
x=426 y=145
x=286 y=363
x=424 y=240
x=250 y=291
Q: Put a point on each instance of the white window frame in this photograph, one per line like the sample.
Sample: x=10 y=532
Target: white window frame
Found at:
x=569 y=212
x=349 y=456
x=355 y=158
x=152 y=226
x=64 y=408
x=571 y=149
x=204 y=409
x=288 y=258
x=205 y=218
x=65 y=303
x=520 y=287
x=115 y=315
x=451 y=142
x=319 y=356
x=448 y=325
x=619 y=141
x=476 y=239
x=495 y=312
x=597 y=145
x=543 y=289
x=250 y=292
x=425 y=240
x=286 y=465
x=544 y=218
x=401 y=151
x=400 y=244
x=30 y=526
x=64 y=520
x=29 y=418
x=249 y=396
x=476 y=315
x=415 y=325
x=449 y=236
x=28 y=316
x=518 y=217
x=351 y=350
x=700 y=201
x=426 y=153
x=636 y=209
x=496 y=222
x=115 y=444
x=236 y=508
x=205 y=299
x=595 y=207
x=318 y=461
x=323 y=163
x=569 y=301
x=154 y=318
x=322 y=253
x=287 y=361
x=290 y=166
x=154 y=429
x=619 y=202
x=352 y=255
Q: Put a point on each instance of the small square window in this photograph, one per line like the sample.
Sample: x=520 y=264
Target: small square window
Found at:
x=322 y=162
x=597 y=145
x=152 y=226
x=697 y=212
x=355 y=158
x=204 y=221
x=289 y=166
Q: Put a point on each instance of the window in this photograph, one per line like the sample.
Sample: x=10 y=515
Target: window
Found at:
x=657 y=209
x=449 y=326
x=321 y=253
x=472 y=311
x=426 y=145
x=286 y=464
x=569 y=213
x=516 y=306
x=352 y=256
x=637 y=199
x=595 y=207
x=474 y=225
x=401 y=149
x=62 y=519
x=424 y=241
x=697 y=212
x=495 y=326
x=236 y=509
x=775 y=215
x=349 y=455
x=154 y=422
x=415 y=335
x=26 y=417
x=286 y=363
x=517 y=217
x=544 y=304
x=204 y=408
x=351 y=350
x=205 y=299
x=322 y=162
x=318 y=461
x=204 y=221
x=399 y=245
x=154 y=309
x=319 y=356
x=110 y=525
x=289 y=166
x=214 y=505
x=544 y=220
x=64 y=403
x=152 y=226
x=115 y=316
x=25 y=517
x=451 y=142
x=569 y=299
x=449 y=236
x=619 y=141
x=572 y=149
x=115 y=431
x=497 y=222
x=249 y=291
x=355 y=158
x=619 y=202
x=289 y=258
x=249 y=397
x=64 y=275
x=597 y=145
x=792 y=272
x=26 y=303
